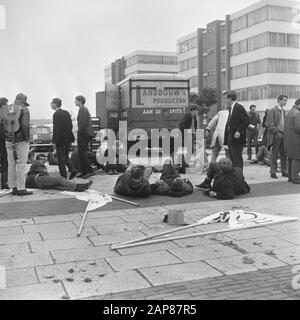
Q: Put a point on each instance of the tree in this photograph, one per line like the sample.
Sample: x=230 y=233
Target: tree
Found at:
x=206 y=98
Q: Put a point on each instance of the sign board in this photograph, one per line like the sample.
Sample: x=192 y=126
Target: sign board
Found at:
x=112 y=93
x=160 y=95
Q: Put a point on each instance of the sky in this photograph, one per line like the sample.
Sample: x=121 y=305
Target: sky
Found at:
x=58 y=48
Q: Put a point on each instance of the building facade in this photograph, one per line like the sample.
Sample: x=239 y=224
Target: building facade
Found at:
x=201 y=56
x=140 y=62
x=265 y=52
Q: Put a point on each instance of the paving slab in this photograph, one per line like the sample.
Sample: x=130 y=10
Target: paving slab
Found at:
x=144 y=217
x=41 y=291
x=20 y=238
x=59 y=244
x=286 y=227
x=105 y=214
x=115 y=238
x=99 y=221
x=111 y=283
x=244 y=263
x=142 y=260
x=293 y=237
x=289 y=255
x=10 y=230
x=74 y=272
x=25 y=260
x=202 y=240
x=116 y=228
x=14 y=249
x=80 y=254
x=163 y=246
x=179 y=273
x=203 y=252
x=57 y=218
x=57 y=230
x=253 y=233
x=16 y=222
x=20 y=277
x=148 y=210
x=261 y=244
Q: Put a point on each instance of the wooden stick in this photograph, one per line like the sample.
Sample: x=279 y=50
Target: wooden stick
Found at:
x=83 y=219
x=122 y=246
x=161 y=233
x=126 y=201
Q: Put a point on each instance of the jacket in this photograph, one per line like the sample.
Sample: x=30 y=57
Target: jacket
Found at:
x=272 y=124
x=218 y=124
x=24 y=125
x=230 y=183
x=62 y=128
x=238 y=121
x=84 y=122
x=186 y=122
x=291 y=137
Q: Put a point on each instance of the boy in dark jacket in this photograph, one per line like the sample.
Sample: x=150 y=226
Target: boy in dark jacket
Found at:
x=228 y=181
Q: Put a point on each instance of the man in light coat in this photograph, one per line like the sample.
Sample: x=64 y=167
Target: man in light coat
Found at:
x=217 y=123
x=275 y=136
x=292 y=142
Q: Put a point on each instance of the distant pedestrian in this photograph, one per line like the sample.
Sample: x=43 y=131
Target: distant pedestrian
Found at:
x=252 y=131
x=235 y=130
x=275 y=136
x=264 y=137
x=62 y=138
x=3 y=152
x=292 y=142
x=15 y=121
x=84 y=135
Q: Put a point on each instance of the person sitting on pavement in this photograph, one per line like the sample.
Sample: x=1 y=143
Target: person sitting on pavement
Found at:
x=134 y=182
x=52 y=158
x=228 y=181
x=38 y=177
x=263 y=156
x=170 y=182
x=117 y=167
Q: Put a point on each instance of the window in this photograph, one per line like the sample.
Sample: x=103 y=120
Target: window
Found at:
x=257 y=42
x=194 y=82
x=257 y=67
x=188 y=64
x=277 y=65
x=293 y=40
x=257 y=16
x=239 y=47
x=239 y=71
x=187 y=45
x=280 y=13
x=239 y=23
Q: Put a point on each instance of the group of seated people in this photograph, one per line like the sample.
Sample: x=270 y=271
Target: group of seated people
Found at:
x=222 y=182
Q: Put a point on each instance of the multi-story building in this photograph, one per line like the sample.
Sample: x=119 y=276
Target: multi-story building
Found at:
x=140 y=62
x=201 y=56
x=264 y=58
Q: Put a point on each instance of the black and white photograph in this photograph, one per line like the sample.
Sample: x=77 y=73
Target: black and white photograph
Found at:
x=149 y=153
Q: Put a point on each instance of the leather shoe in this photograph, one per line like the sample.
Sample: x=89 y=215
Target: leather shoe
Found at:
x=24 y=192
x=14 y=191
x=72 y=175
x=284 y=174
x=296 y=181
x=274 y=176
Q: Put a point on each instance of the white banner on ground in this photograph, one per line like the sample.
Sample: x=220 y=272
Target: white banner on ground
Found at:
x=243 y=219
x=95 y=199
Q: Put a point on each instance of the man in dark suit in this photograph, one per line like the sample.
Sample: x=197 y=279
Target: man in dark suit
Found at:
x=275 y=136
x=62 y=137
x=235 y=130
x=84 y=135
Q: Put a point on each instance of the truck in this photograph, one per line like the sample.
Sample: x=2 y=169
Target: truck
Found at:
x=40 y=138
x=145 y=101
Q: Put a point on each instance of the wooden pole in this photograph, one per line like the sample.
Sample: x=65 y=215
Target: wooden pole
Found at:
x=126 y=201
x=123 y=246
x=83 y=219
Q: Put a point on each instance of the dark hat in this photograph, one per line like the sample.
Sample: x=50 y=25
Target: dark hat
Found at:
x=3 y=101
x=21 y=97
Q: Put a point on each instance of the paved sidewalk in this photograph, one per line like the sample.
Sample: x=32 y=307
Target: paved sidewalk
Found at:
x=44 y=259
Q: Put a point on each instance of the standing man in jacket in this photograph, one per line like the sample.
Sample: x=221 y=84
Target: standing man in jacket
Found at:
x=62 y=138
x=84 y=136
x=235 y=130
x=252 y=131
x=15 y=124
x=292 y=142
x=275 y=136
